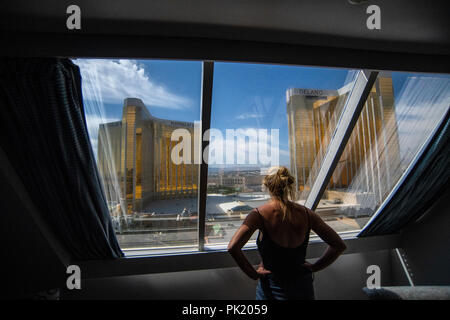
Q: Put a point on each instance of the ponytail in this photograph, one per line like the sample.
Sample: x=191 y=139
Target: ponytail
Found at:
x=281 y=186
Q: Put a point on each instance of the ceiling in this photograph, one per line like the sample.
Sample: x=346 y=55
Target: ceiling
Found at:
x=420 y=26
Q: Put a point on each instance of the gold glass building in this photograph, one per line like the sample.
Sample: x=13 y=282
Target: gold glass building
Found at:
x=134 y=159
x=372 y=152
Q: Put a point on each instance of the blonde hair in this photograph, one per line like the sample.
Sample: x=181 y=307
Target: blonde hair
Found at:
x=281 y=186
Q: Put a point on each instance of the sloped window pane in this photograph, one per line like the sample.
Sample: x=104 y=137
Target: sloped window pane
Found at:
x=399 y=115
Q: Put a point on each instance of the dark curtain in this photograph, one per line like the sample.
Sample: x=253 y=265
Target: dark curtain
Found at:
x=425 y=183
x=43 y=132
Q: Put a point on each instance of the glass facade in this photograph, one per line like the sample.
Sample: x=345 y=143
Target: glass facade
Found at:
x=312 y=117
x=312 y=112
x=145 y=170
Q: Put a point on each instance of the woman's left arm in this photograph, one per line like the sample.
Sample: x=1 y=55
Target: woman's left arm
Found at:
x=249 y=226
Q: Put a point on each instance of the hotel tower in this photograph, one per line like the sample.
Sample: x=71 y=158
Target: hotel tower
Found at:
x=134 y=159
x=372 y=152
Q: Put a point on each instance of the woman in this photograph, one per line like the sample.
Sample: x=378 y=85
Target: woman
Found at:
x=284 y=228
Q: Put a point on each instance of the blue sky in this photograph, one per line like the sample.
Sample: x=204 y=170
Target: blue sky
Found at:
x=254 y=95
x=244 y=95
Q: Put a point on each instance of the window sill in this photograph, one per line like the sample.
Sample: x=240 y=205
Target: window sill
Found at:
x=214 y=257
x=186 y=250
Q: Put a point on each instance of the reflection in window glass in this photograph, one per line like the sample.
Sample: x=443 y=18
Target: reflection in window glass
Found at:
x=262 y=116
x=132 y=107
x=399 y=115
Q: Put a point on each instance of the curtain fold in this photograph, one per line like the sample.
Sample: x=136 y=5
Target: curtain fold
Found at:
x=421 y=188
x=44 y=136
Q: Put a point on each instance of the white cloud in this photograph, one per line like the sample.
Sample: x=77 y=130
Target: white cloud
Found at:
x=231 y=150
x=249 y=116
x=111 y=81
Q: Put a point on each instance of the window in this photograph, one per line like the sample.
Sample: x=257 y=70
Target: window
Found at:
x=262 y=116
x=399 y=115
x=143 y=119
x=132 y=108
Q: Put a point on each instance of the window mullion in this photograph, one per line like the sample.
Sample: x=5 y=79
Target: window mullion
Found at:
x=207 y=86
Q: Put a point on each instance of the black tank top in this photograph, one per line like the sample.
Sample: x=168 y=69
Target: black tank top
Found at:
x=279 y=259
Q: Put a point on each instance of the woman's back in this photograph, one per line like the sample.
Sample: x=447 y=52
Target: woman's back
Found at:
x=282 y=243
x=282 y=246
x=285 y=233
x=284 y=229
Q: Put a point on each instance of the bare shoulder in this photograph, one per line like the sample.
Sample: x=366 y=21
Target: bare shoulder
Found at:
x=266 y=209
x=301 y=208
x=304 y=211
x=253 y=220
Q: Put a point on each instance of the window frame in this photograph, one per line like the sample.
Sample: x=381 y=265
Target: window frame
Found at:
x=352 y=109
